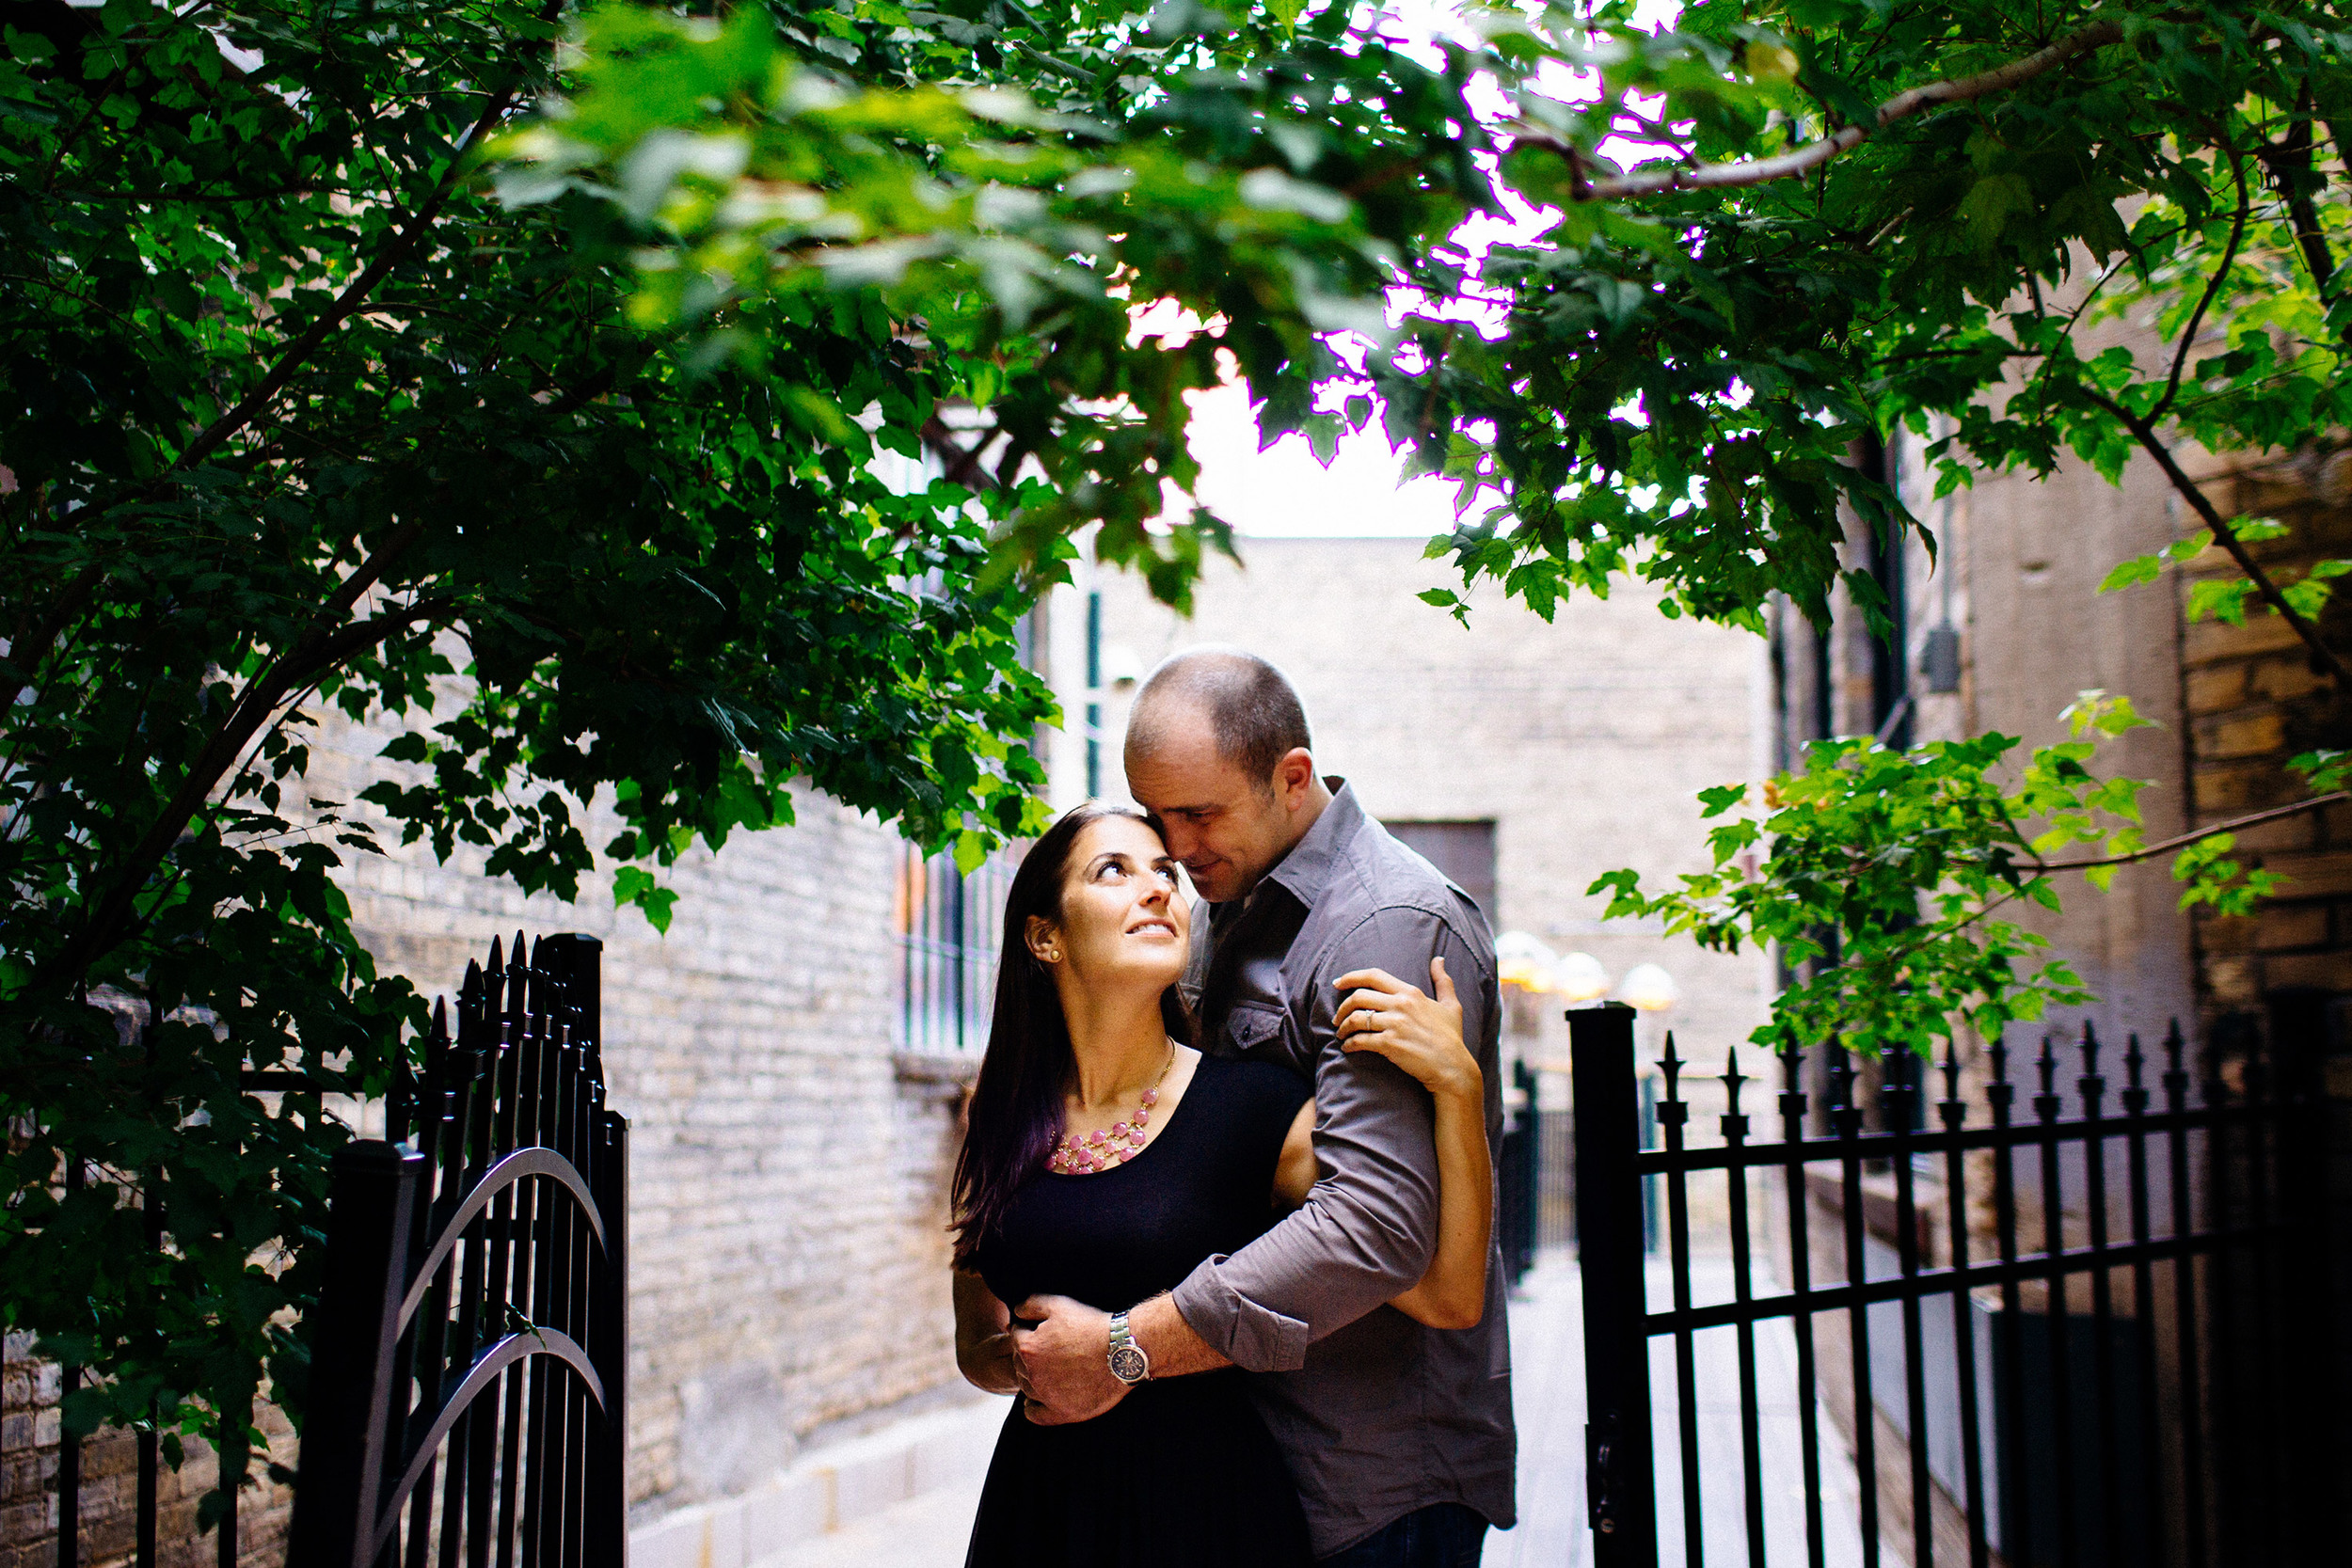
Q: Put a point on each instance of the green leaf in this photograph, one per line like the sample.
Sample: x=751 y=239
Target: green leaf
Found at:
x=1991 y=203
x=2220 y=599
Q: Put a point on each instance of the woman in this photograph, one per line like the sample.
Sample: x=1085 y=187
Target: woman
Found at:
x=1106 y=1156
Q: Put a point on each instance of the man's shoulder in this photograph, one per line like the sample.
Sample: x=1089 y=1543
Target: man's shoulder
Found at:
x=1390 y=886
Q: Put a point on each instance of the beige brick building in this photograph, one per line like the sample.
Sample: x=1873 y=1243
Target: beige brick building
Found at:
x=1583 y=742
x=2014 y=597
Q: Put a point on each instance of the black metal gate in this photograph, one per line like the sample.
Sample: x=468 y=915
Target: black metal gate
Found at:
x=470 y=1355
x=2102 y=1376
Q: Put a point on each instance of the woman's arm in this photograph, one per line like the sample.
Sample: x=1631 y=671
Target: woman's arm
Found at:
x=1423 y=1033
x=983 y=1337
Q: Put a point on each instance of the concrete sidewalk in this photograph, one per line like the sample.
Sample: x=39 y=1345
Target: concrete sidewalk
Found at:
x=907 y=1495
x=926 y=1468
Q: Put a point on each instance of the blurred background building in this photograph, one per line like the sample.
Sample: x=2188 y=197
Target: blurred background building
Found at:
x=1523 y=758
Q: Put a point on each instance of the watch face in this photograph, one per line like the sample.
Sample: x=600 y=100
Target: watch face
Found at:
x=1128 y=1364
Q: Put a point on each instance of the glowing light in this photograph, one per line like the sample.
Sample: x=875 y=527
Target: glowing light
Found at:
x=1523 y=961
x=1580 y=979
x=1648 y=988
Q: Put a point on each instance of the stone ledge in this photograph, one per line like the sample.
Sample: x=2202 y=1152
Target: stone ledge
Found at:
x=825 y=1490
x=944 y=1067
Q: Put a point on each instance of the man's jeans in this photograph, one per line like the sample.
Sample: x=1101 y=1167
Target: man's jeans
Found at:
x=1444 y=1535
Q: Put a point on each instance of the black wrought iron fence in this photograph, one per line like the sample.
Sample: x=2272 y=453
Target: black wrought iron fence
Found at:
x=469 y=1370
x=2065 y=1339
x=1518 y=1173
x=231 y=1444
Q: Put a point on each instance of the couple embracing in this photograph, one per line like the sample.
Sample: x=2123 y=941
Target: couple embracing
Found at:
x=1224 y=1210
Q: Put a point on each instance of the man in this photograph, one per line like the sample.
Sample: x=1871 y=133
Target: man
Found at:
x=1399 y=1435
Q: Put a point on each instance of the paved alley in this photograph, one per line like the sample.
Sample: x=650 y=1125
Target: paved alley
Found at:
x=1547 y=1346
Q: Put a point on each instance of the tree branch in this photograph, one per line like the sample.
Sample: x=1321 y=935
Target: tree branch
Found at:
x=961 y=466
x=2290 y=166
x=254 y=708
x=2213 y=287
x=356 y=292
x=1903 y=105
x=2322 y=659
x=2181 y=840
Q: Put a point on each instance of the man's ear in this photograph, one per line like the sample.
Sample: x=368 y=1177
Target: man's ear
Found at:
x=1294 y=776
x=1041 y=937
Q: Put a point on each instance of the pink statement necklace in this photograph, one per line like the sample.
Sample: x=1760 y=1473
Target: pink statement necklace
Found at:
x=1099 y=1150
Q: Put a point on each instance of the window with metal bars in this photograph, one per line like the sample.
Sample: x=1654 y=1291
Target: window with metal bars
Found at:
x=950 y=930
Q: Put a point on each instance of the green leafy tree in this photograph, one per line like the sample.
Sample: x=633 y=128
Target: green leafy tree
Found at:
x=1886 y=873
x=300 y=409
x=582 y=471
x=296 y=416
x=1770 y=233
x=2020 y=231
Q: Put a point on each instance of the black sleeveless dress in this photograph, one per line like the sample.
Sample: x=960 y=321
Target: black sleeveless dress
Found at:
x=1180 y=1473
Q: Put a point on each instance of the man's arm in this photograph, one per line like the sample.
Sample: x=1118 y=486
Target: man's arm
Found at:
x=1065 y=1359
x=1368 y=1229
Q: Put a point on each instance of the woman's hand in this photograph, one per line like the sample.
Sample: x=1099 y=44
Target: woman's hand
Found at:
x=1419 y=1031
x=984 y=1346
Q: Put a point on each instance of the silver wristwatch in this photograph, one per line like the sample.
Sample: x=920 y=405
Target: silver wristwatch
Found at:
x=1128 y=1362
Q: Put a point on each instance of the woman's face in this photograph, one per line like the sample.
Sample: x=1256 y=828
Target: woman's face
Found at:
x=1124 y=920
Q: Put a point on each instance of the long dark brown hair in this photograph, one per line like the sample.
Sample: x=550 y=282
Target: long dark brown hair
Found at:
x=1016 y=1111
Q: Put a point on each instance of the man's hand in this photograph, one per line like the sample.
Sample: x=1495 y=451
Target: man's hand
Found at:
x=1062 y=1350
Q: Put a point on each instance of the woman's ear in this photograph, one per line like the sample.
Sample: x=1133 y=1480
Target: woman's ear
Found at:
x=1043 y=940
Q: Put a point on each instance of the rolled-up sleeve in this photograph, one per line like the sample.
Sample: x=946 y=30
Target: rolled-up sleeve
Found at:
x=1368 y=1227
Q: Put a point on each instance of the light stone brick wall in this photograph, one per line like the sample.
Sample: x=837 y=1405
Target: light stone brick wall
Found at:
x=1586 y=741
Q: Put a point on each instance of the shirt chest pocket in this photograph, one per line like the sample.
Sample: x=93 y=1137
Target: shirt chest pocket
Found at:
x=1254 y=1029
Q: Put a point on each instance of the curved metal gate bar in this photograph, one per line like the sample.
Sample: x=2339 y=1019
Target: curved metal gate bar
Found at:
x=484 y=1373
x=472 y=1327
x=514 y=1168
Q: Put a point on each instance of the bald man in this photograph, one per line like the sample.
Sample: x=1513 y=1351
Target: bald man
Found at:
x=1399 y=1435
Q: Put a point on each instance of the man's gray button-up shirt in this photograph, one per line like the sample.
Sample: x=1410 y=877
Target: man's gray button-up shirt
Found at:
x=1377 y=1414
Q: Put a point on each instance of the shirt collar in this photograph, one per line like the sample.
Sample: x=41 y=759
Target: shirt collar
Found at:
x=1307 y=870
